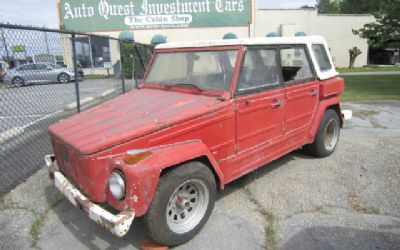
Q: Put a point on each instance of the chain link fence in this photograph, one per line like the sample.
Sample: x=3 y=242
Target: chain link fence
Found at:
x=49 y=75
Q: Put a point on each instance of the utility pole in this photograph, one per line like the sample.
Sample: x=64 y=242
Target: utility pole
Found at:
x=5 y=47
x=46 y=41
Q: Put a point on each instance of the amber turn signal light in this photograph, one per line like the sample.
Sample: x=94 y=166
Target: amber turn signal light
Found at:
x=134 y=156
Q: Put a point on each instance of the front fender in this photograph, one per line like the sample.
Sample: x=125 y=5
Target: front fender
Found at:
x=322 y=107
x=142 y=178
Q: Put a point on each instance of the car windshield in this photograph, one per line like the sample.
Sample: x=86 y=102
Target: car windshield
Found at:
x=200 y=69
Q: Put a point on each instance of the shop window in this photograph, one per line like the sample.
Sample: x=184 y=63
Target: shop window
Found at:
x=100 y=51
x=322 y=57
x=92 y=52
x=295 y=65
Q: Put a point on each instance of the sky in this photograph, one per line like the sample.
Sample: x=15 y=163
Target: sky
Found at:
x=44 y=12
x=29 y=12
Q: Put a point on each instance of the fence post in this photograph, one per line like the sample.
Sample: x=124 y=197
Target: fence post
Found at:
x=122 y=66
x=74 y=58
x=5 y=47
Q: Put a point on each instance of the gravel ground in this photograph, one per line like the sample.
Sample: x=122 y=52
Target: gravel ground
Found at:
x=350 y=200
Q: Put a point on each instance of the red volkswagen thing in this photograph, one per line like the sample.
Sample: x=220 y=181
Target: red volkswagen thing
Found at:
x=206 y=113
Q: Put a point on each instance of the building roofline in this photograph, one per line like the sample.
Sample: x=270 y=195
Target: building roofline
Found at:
x=346 y=15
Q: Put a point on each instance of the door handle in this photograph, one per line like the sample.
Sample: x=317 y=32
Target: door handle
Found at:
x=277 y=104
x=248 y=102
x=314 y=92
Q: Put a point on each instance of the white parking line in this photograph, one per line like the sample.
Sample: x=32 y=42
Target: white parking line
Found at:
x=20 y=116
x=17 y=131
x=42 y=118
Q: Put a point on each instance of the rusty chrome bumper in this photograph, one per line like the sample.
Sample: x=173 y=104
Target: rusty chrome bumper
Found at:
x=116 y=224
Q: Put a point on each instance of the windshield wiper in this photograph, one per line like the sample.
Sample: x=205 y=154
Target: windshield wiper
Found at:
x=187 y=85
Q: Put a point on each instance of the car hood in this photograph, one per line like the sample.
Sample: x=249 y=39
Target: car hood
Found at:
x=129 y=116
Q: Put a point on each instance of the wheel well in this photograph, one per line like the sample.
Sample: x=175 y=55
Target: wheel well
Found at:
x=336 y=108
x=17 y=77
x=203 y=159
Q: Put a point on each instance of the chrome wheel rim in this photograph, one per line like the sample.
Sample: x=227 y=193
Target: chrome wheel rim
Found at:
x=331 y=134
x=187 y=206
x=63 y=78
x=18 y=82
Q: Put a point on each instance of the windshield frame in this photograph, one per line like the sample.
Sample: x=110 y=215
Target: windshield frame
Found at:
x=212 y=92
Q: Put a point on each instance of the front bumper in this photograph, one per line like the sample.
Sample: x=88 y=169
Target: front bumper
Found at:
x=116 y=224
x=7 y=79
x=347 y=114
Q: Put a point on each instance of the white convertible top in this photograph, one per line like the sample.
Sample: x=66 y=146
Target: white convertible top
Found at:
x=306 y=40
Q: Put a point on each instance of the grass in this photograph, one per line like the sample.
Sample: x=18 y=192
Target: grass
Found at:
x=361 y=88
x=36 y=227
x=97 y=76
x=371 y=68
x=359 y=206
x=38 y=223
x=270 y=233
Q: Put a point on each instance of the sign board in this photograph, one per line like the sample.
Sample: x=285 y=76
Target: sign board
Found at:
x=107 y=15
x=59 y=58
x=18 y=48
x=107 y=65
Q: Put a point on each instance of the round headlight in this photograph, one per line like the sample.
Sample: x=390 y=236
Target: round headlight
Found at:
x=116 y=183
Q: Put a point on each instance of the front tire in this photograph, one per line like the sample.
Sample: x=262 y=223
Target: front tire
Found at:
x=327 y=136
x=18 y=81
x=63 y=78
x=182 y=204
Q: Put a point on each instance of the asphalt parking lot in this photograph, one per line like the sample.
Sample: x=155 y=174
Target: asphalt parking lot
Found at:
x=350 y=200
x=26 y=113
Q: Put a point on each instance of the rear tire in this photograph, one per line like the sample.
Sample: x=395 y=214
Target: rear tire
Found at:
x=182 y=204
x=18 y=81
x=327 y=136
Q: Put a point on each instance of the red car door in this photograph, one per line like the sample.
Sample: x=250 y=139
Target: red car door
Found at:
x=259 y=105
x=301 y=89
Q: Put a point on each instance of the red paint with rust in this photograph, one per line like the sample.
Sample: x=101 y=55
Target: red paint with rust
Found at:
x=234 y=134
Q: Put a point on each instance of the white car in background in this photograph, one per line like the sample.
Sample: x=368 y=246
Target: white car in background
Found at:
x=38 y=73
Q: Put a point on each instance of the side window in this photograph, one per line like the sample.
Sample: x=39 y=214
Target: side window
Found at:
x=28 y=67
x=295 y=65
x=41 y=66
x=322 y=57
x=259 y=71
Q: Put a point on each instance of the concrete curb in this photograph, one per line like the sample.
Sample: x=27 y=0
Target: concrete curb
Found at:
x=91 y=99
x=107 y=93
x=83 y=102
x=10 y=134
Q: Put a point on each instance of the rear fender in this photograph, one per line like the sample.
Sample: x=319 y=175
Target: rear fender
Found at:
x=142 y=178
x=323 y=106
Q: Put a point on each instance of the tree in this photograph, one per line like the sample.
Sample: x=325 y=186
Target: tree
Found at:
x=360 y=6
x=349 y=6
x=127 y=52
x=354 y=53
x=328 y=6
x=386 y=28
